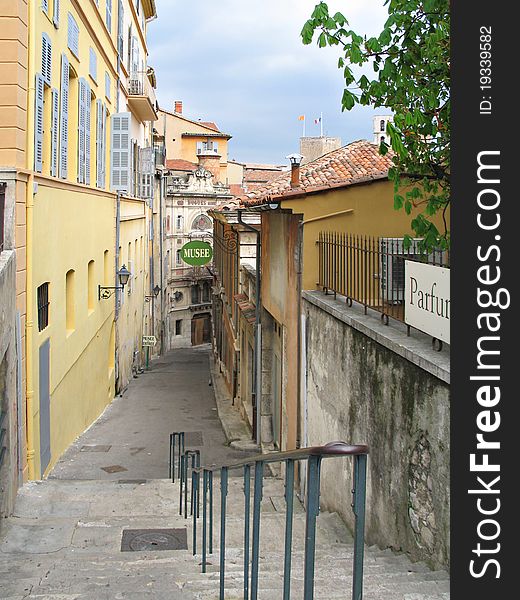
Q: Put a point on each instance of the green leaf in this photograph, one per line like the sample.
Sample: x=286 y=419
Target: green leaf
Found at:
x=348 y=100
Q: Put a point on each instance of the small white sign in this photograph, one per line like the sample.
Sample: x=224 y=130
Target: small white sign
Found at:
x=427 y=299
x=149 y=340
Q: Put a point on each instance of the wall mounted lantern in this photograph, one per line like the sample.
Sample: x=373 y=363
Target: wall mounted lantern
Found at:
x=156 y=291
x=105 y=292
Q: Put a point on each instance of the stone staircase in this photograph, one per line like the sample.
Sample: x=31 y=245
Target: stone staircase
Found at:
x=64 y=543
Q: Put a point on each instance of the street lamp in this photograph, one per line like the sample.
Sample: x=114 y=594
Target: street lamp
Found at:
x=156 y=291
x=104 y=291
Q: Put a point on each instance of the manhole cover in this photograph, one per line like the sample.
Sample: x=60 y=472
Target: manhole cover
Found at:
x=114 y=469
x=95 y=448
x=141 y=540
x=193 y=438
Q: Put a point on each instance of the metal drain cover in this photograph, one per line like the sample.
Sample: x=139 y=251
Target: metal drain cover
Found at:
x=141 y=540
x=113 y=469
x=193 y=438
x=95 y=448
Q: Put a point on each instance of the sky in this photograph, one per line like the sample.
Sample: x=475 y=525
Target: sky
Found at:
x=242 y=65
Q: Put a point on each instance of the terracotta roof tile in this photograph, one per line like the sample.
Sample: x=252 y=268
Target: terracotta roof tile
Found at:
x=179 y=164
x=353 y=163
x=209 y=124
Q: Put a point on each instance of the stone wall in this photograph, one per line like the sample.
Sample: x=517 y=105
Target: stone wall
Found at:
x=367 y=383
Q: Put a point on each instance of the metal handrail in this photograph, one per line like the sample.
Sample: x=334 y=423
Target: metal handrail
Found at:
x=313 y=455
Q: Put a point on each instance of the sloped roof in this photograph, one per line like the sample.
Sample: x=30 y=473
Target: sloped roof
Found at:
x=209 y=124
x=179 y=164
x=357 y=162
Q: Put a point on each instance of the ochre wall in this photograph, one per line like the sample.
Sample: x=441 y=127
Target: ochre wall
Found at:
x=373 y=215
x=72 y=226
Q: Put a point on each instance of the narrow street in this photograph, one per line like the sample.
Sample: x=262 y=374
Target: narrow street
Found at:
x=130 y=439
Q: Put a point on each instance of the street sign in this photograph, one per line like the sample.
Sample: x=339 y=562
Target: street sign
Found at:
x=149 y=340
x=197 y=253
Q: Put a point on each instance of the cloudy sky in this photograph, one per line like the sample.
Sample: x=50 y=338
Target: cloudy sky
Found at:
x=241 y=64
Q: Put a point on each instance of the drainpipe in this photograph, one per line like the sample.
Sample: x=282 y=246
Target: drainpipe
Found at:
x=257 y=372
x=29 y=315
x=161 y=257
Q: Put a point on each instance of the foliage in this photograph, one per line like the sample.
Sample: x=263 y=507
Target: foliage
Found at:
x=411 y=61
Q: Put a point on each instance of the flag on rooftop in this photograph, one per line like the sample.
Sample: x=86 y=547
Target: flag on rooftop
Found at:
x=301 y=118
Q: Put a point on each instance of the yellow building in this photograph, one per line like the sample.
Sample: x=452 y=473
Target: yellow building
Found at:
x=187 y=139
x=73 y=77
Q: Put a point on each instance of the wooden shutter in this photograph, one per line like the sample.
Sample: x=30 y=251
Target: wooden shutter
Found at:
x=108 y=83
x=55 y=105
x=81 y=129
x=45 y=6
x=103 y=144
x=46 y=59
x=92 y=64
x=64 y=115
x=99 y=128
x=56 y=14
x=120 y=152
x=38 y=123
x=120 y=21
x=73 y=36
x=87 y=133
x=109 y=15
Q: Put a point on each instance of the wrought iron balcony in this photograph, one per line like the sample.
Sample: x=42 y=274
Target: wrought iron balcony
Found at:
x=141 y=96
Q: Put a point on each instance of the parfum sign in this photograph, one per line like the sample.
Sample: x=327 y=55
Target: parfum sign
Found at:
x=427 y=299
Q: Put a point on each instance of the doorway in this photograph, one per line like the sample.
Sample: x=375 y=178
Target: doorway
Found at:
x=201 y=329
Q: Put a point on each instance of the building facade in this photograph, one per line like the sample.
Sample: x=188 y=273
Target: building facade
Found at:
x=68 y=85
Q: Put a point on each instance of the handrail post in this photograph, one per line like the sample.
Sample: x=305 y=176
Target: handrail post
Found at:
x=223 y=495
x=171 y=468
x=247 y=500
x=312 y=508
x=259 y=474
x=289 y=501
x=185 y=474
x=194 y=494
x=181 y=482
x=211 y=512
x=181 y=448
x=204 y=514
x=359 y=491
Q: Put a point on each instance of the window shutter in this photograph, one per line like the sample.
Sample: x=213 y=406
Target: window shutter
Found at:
x=107 y=85
x=55 y=99
x=46 y=59
x=120 y=152
x=92 y=64
x=64 y=115
x=56 y=14
x=103 y=144
x=45 y=6
x=87 y=133
x=81 y=130
x=120 y=22
x=109 y=15
x=73 y=36
x=38 y=124
x=99 y=127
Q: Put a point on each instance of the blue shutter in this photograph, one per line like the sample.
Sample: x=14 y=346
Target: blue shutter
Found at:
x=64 y=116
x=46 y=59
x=45 y=6
x=38 y=124
x=73 y=36
x=98 y=143
x=54 y=131
x=103 y=145
x=92 y=64
x=56 y=14
x=120 y=152
x=81 y=129
x=120 y=22
x=109 y=15
x=87 y=133
x=108 y=83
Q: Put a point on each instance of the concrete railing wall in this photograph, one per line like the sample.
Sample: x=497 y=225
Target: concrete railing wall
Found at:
x=367 y=383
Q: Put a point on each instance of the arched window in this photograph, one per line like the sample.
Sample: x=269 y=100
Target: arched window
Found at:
x=201 y=222
x=179 y=222
x=382 y=125
x=195 y=294
x=206 y=292
x=382 y=138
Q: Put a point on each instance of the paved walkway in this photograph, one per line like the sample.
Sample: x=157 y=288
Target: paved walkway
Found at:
x=130 y=439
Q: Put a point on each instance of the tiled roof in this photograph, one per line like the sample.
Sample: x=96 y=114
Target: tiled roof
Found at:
x=236 y=189
x=179 y=164
x=209 y=124
x=354 y=163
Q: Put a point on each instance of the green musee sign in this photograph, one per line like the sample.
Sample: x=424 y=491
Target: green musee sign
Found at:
x=197 y=253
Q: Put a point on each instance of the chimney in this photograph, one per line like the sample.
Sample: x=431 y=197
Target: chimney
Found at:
x=178 y=107
x=295 y=175
x=296 y=160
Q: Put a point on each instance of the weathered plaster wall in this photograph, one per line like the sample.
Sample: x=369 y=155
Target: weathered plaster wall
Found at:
x=360 y=391
x=9 y=471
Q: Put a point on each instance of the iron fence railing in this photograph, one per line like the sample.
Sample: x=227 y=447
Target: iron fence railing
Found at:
x=370 y=270
x=184 y=461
